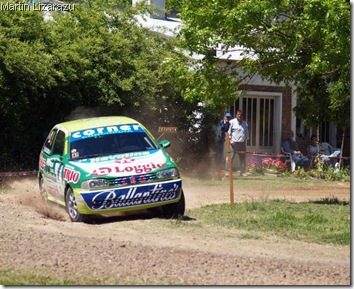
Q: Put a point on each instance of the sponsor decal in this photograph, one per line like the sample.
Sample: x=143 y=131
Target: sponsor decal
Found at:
x=138 y=179
x=118 y=156
x=125 y=160
x=46 y=150
x=42 y=162
x=71 y=176
x=128 y=169
x=53 y=192
x=50 y=163
x=98 y=131
x=133 y=196
x=58 y=171
x=74 y=153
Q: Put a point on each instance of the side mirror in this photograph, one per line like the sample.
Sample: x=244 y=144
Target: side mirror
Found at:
x=164 y=143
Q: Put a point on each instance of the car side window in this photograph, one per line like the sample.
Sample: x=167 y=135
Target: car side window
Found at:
x=50 y=141
x=58 y=148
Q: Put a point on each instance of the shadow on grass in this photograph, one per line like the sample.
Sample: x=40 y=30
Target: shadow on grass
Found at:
x=330 y=201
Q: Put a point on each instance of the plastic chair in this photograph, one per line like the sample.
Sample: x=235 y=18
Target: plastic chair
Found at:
x=312 y=157
x=292 y=162
x=328 y=149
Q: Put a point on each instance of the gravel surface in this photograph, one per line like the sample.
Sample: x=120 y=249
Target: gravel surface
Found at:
x=137 y=249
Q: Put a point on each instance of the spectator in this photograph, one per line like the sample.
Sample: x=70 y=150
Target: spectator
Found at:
x=324 y=151
x=238 y=133
x=223 y=127
x=290 y=146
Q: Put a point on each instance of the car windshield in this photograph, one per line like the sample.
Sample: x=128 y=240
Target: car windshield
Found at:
x=109 y=144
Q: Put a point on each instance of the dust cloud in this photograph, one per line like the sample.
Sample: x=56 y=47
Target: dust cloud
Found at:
x=82 y=112
x=193 y=159
x=25 y=191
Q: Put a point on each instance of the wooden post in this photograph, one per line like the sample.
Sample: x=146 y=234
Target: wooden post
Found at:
x=229 y=164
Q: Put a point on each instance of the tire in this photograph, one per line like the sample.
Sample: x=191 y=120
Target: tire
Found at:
x=156 y=211
x=42 y=189
x=175 y=210
x=71 y=207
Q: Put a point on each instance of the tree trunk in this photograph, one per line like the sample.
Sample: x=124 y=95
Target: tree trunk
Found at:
x=341 y=149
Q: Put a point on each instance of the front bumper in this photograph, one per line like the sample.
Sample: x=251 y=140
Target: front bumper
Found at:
x=136 y=197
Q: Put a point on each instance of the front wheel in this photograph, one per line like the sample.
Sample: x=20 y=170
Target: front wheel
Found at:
x=71 y=207
x=175 y=210
x=42 y=188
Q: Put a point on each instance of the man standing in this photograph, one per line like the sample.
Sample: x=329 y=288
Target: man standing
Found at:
x=238 y=133
x=222 y=129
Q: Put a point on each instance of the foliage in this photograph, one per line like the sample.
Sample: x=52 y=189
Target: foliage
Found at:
x=202 y=80
x=173 y=6
x=322 y=172
x=336 y=174
x=331 y=174
x=93 y=56
x=319 y=171
x=306 y=43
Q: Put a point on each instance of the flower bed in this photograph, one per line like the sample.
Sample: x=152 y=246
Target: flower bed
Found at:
x=265 y=165
x=273 y=165
x=253 y=164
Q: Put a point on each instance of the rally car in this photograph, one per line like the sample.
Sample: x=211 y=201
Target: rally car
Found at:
x=109 y=164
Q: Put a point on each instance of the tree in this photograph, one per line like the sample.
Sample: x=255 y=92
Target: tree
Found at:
x=304 y=42
x=94 y=56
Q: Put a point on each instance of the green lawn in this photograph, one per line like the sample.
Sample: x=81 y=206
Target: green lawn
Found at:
x=325 y=221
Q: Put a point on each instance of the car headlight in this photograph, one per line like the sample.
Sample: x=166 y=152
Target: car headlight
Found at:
x=95 y=184
x=168 y=174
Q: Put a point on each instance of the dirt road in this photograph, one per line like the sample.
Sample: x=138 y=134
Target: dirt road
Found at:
x=39 y=238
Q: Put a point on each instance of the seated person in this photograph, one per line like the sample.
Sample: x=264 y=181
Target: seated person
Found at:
x=290 y=146
x=322 y=150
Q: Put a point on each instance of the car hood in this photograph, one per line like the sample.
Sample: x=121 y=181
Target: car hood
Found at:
x=136 y=163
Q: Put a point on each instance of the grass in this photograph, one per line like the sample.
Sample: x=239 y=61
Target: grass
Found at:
x=323 y=222
x=18 y=278
x=257 y=181
x=10 y=278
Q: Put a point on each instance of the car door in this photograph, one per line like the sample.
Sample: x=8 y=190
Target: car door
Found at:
x=53 y=171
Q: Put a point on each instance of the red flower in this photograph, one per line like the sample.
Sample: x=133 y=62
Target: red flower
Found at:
x=276 y=164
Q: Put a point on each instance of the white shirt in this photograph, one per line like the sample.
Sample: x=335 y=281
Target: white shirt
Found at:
x=238 y=131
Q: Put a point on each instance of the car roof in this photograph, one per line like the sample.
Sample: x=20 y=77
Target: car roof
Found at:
x=86 y=123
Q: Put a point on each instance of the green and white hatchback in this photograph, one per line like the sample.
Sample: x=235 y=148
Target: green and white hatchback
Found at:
x=106 y=165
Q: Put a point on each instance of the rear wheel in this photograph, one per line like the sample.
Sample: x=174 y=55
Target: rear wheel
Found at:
x=175 y=210
x=71 y=207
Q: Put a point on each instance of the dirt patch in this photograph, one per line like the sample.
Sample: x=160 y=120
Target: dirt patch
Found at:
x=38 y=237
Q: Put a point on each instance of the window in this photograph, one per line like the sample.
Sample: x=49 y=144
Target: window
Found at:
x=49 y=141
x=262 y=111
x=58 y=148
x=259 y=114
x=110 y=144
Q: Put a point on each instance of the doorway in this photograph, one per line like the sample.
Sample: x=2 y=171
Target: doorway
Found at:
x=262 y=111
